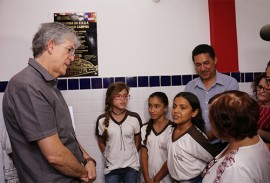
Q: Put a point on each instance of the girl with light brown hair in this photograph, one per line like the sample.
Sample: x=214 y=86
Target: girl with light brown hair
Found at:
x=118 y=133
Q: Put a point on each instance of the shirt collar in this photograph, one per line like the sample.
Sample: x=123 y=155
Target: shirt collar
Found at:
x=219 y=78
x=219 y=81
x=46 y=75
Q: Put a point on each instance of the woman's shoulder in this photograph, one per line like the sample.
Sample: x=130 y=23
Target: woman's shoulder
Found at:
x=250 y=162
x=254 y=152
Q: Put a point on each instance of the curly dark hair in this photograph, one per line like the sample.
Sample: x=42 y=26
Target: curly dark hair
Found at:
x=268 y=64
x=256 y=82
x=234 y=114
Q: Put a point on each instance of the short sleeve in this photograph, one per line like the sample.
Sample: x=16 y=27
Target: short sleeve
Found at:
x=100 y=126
x=35 y=115
x=143 y=132
x=138 y=124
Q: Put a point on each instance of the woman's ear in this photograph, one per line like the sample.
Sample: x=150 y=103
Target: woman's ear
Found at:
x=194 y=113
x=166 y=108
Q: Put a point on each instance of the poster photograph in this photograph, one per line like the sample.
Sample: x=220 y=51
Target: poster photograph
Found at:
x=86 y=58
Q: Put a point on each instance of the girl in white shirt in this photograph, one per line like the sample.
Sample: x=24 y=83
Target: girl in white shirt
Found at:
x=189 y=150
x=118 y=133
x=153 y=133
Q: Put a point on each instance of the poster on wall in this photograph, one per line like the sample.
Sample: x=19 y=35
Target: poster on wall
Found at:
x=86 y=59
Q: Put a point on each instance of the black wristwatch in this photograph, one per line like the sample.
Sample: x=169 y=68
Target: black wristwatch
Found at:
x=84 y=162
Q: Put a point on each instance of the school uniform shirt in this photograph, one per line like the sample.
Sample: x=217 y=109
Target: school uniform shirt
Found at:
x=247 y=164
x=120 y=150
x=157 y=155
x=189 y=154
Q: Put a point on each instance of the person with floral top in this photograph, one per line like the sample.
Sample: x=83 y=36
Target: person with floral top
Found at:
x=233 y=117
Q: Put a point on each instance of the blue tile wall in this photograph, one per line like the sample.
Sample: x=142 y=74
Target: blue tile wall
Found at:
x=249 y=77
x=176 y=80
x=143 y=81
x=73 y=84
x=3 y=85
x=136 y=81
x=154 y=81
x=165 y=80
x=85 y=83
x=62 y=84
x=131 y=81
x=96 y=83
x=120 y=79
x=107 y=82
x=186 y=79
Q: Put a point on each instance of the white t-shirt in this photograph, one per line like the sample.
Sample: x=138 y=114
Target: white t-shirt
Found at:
x=189 y=154
x=120 y=150
x=249 y=164
x=157 y=155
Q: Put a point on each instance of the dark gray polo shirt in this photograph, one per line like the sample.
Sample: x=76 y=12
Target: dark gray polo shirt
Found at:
x=34 y=109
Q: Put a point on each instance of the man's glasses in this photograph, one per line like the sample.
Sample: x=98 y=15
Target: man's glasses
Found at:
x=263 y=89
x=71 y=51
x=121 y=97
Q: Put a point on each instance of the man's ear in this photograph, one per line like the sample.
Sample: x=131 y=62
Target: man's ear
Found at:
x=215 y=60
x=50 y=46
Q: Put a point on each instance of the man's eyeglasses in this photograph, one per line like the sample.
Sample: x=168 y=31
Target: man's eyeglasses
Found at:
x=261 y=88
x=71 y=51
x=121 y=97
x=209 y=165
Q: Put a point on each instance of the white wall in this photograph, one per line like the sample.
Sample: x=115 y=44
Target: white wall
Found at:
x=135 y=38
x=253 y=52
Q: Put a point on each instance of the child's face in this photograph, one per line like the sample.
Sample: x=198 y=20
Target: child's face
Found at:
x=156 y=108
x=182 y=111
x=120 y=100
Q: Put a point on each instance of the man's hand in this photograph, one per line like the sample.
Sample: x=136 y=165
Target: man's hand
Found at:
x=91 y=172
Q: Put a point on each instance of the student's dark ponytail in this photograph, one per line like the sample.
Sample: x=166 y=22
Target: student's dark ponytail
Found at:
x=148 y=130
